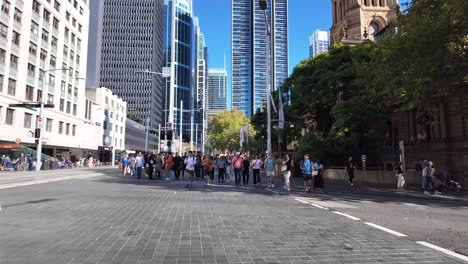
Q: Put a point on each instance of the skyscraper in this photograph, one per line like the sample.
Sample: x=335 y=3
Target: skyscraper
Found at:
x=126 y=37
x=200 y=92
x=177 y=50
x=319 y=42
x=250 y=51
x=217 y=91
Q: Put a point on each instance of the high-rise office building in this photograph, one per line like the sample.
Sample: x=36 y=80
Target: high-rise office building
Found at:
x=200 y=92
x=217 y=91
x=250 y=51
x=126 y=36
x=177 y=50
x=319 y=42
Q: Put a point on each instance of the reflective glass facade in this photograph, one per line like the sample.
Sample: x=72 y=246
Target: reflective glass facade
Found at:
x=319 y=43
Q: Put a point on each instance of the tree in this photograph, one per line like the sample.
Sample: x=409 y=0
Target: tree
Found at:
x=223 y=132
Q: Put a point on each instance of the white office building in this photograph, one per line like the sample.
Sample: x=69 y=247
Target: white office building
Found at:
x=108 y=113
x=43 y=47
x=319 y=42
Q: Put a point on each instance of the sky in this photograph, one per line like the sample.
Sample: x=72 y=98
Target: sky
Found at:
x=305 y=16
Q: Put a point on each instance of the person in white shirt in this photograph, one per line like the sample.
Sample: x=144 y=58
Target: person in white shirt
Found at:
x=139 y=163
x=190 y=162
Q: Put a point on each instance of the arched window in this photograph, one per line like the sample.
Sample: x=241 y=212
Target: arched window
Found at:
x=382 y=3
x=374 y=28
x=366 y=2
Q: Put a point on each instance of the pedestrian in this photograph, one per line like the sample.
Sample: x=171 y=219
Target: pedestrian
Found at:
x=350 y=167
x=257 y=164
x=139 y=163
x=245 y=170
x=207 y=169
x=22 y=162
x=7 y=163
x=214 y=169
x=237 y=165
x=270 y=169
x=424 y=165
x=318 y=178
x=168 y=166
x=159 y=164
x=221 y=169
x=150 y=165
x=306 y=168
x=400 y=176
x=286 y=169
x=177 y=165
x=429 y=187
x=190 y=162
x=2 y=162
x=198 y=167
x=124 y=161
x=229 y=169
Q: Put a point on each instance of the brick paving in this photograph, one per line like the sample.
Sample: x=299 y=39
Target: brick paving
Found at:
x=109 y=220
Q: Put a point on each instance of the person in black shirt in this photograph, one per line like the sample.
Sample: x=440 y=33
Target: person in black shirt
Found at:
x=350 y=170
x=245 y=170
x=178 y=161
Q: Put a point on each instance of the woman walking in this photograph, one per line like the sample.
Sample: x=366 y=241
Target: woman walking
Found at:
x=207 y=169
x=221 y=169
x=306 y=168
x=318 y=181
x=400 y=177
x=125 y=163
x=257 y=164
x=286 y=169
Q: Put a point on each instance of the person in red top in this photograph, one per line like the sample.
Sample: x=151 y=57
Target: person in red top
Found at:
x=237 y=164
x=169 y=165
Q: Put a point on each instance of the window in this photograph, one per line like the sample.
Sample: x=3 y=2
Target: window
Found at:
x=43 y=56
x=6 y=7
x=81 y=10
x=75 y=92
x=2 y=56
x=29 y=93
x=60 y=130
x=80 y=28
x=62 y=105
x=121 y=130
x=66 y=33
x=74 y=22
x=46 y=15
x=39 y=95
x=67 y=130
x=70 y=72
x=16 y=38
x=78 y=59
x=57 y=5
x=74 y=130
x=73 y=37
x=53 y=62
x=68 y=107
x=64 y=68
x=62 y=86
x=67 y=16
x=27 y=120
x=65 y=52
x=78 y=44
x=55 y=23
x=50 y=98
x=17 y=16
x=11 y=87
x=49 y=125
x=34 y=28
x=74 y=109
x=13 y=62
x=72 y=56
x=45 y=35
x=10 y=113
x=1 y=83
x=3 y=30
x=36 y=6
x=31 y=70
x=54 y=42
x=32 y=49
x=51 y=80
x=106 y=100
x=75 y=4
x=70 y=89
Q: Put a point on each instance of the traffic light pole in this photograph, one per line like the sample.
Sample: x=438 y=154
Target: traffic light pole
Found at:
x=159 y=138
x=40 y=126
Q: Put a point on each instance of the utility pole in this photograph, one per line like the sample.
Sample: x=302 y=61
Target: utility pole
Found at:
x=180 y=132
x=263 y=6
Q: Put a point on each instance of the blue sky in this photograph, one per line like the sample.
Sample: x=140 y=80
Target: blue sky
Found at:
x=305 y=16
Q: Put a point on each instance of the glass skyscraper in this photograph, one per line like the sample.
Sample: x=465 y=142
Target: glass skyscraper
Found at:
x=177 y=52
x=319 y=42
x=217 y=91
x=250 y=51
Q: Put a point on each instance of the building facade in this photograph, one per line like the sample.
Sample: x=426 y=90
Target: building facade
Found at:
x=43 y=47
x=109 y=112
x=200 y=91
x=358 y=20
x=126 y=37
x=217 y=91
x=178 y=60
x=319 y=42
x=250 y=46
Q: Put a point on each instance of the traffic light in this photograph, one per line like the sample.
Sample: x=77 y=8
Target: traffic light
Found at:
x=169 y=135
x=162 y=136
x=37 y=133
x=36 y=141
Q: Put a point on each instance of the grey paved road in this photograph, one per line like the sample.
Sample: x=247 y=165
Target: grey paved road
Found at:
x=106 y=219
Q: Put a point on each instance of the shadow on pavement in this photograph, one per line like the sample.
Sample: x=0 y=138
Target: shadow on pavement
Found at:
x=29 y=202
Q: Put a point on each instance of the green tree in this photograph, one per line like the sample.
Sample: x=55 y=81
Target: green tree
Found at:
x=223 y=132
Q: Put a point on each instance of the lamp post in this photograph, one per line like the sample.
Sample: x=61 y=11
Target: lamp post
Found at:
x=263 y=6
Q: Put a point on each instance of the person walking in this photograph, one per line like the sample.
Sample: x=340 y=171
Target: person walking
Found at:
x=318 y=176
x=132 y=162
x=124 y=161
x=286 y=169
x=350 y=167
x=151 y=165
x=221 y=168
x=169 y=165
x=237 y=165
x=245 y=170
x=190 y=162
x=139 y=163
x=400 y=177
x=429 y=187
x=22 y=162
x=177 y=166
x=270 y=169
x=257 y=164
x=306 y=169
x=424 y=165
x=2 y=162
x=159 y=163
x=207 y=169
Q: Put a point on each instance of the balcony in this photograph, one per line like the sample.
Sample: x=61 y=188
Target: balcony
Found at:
x=45 y=44
x=15 y=48
x=30 y=80
x=19 y=4
x=17 y=25
x=32 y=58
x=4 y=18
x=36 y=17
x=34 y=38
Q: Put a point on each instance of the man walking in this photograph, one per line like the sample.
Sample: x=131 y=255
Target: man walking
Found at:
x=256 y=166
x=286 y=168
x=350 y=170
x=270 y=169
x=177 y=166
x=306 y=168
x=139 y=163
x=237 y=165
x=190 y=163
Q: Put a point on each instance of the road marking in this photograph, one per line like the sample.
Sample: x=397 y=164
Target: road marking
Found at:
x=386 y=230
x=319 y=206
x=302 y=201
x=347 y=215
x=446 y=251
x=35 y=181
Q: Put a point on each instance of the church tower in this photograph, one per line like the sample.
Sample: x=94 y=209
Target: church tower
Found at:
x=357 y=20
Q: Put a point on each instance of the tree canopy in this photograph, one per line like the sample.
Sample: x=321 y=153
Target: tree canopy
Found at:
x=224 y=129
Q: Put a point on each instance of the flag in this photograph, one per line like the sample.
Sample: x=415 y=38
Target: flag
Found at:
x=281 y=112
x=273 y=104
x=241 y=136
x=244 y=135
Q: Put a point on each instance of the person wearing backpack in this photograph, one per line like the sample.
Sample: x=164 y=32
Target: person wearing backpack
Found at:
x=306 y=168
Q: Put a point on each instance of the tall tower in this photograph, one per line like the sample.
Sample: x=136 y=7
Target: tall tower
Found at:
x=357 y=20
x=116 y=53
x=250 y=51
x=319 y=42
x=177 y=52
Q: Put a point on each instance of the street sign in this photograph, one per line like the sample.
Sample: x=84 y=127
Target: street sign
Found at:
x=39 y=119
x=18 y=140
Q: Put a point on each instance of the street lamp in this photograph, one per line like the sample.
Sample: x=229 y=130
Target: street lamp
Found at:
x=263 y=6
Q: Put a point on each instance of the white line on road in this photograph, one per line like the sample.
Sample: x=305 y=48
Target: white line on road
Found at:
x=446 y=251
x=386 y=230
x=35 y=181
x=319 y=206
x=347 y=215
x=302 y=201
